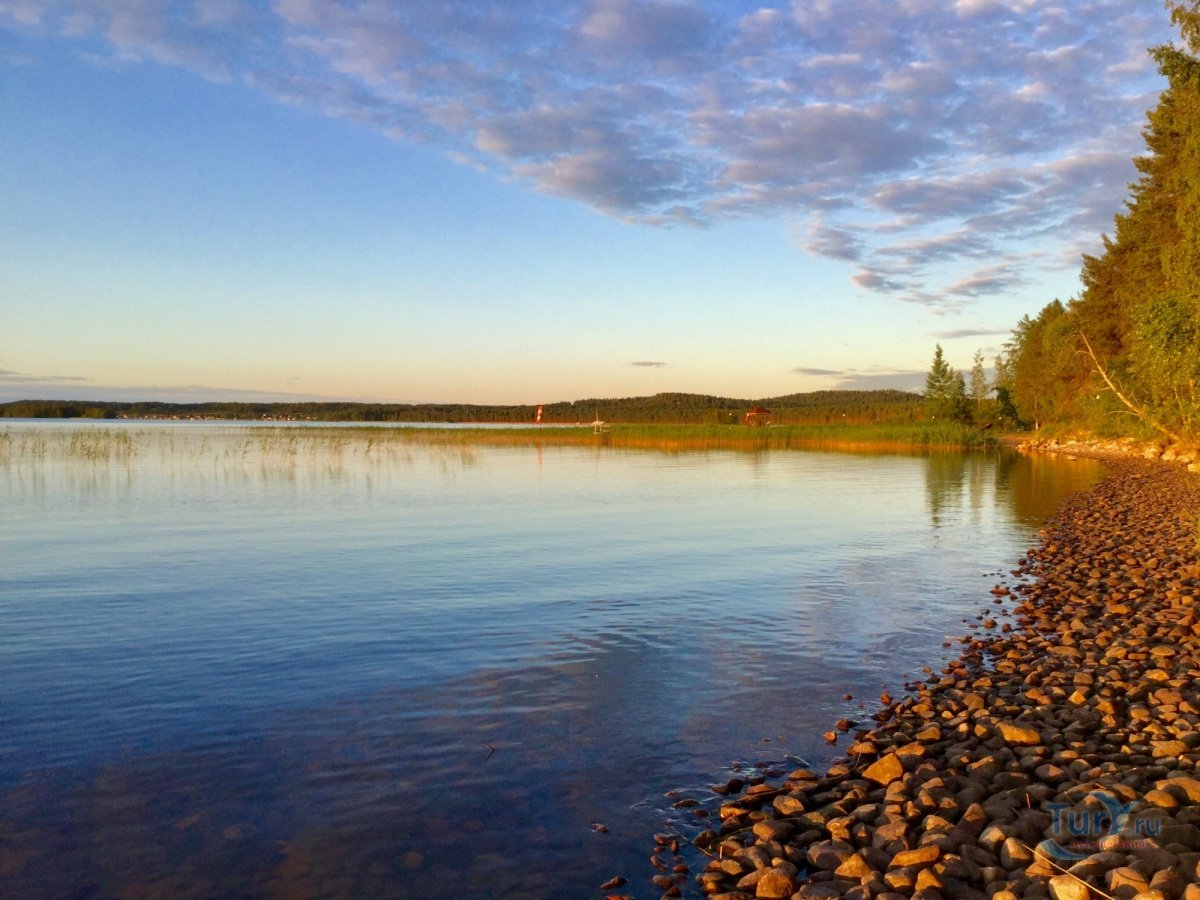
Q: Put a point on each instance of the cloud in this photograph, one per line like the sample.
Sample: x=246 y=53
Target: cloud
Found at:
x=649 y=364
x=664 y=33
x=876 y=281
x=910 y=133
x=886 y=379
x=10 y=377
x=874 y=378
x=42 y=388
x=992 y=280
x=926 y=199
x=833 y=243
x=955 y=333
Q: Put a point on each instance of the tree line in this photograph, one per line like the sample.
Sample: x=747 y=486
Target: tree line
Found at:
x=858 y=407
x=1123 y=356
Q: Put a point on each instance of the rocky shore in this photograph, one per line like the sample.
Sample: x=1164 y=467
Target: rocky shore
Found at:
x=1057 y=757
x=1118 y=448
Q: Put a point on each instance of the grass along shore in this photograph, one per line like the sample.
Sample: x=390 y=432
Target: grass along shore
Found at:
x=294 y=443
x=1059 y=756
x=918 y=436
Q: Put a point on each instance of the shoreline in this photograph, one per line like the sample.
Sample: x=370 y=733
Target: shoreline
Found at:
x=1116 y=448
x=1043 y=730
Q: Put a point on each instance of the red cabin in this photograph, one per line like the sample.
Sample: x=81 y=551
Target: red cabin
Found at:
x=757 y=417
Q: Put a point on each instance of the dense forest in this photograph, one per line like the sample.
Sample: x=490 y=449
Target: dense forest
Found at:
x=857 y=407
x=1124 y=355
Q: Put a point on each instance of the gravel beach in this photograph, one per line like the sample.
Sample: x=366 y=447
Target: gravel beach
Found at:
x=1057 y=757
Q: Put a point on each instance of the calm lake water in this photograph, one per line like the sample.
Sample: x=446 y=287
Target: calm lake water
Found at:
x=294 y=662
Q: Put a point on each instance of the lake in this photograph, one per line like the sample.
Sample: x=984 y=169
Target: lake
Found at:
x=281 y=661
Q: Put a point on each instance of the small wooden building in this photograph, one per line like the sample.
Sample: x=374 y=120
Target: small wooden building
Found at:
x=757 y=417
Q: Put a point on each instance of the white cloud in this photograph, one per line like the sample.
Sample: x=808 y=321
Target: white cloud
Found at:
x=914 y=130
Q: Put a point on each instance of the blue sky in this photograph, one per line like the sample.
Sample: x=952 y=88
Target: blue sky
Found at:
x=538 y=201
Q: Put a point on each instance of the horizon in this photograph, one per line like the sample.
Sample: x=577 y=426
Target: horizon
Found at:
x=382 y=203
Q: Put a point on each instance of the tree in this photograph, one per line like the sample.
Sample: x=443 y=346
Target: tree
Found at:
x=1187 y=17
x=945 y=390
x=1140 y=310
x=938 y=382
x=1038 y=386
x=1128 y=343
x=979 y=385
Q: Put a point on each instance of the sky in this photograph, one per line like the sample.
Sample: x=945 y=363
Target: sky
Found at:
x=496 y=202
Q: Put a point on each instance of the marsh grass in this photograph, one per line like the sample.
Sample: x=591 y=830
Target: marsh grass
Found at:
x=917 y=437
x=84 y=444
x=329 y=450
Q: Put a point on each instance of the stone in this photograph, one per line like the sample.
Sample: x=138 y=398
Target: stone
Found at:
x=1165 y=749
x=1162 y=799
x=819 y=892
x=1014 y=854
x=1126 y=877
x=828 y=855
x=984 y=769
x=922 y=856
x=787 y=805
x=1019 y=735
x=775 y=885
x=885 y=770
x=1064 y=887
x=854 y=868
x=929 y=735
x=773 y=830
x=928 y=878
x=1186 y=787
x=993 y=836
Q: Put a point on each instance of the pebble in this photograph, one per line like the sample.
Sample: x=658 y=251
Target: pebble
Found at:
x=957 y=787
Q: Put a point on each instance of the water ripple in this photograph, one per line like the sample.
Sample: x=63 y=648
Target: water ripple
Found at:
x=261 y=664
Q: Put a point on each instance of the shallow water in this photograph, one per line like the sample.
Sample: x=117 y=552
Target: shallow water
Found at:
x=279 y=662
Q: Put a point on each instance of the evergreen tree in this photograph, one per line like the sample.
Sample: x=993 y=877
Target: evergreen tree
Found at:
x=945 y=390
x=979 y=385
x=939 y=382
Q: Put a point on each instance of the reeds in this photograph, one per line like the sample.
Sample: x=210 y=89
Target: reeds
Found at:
x=917 y=437
x=284 y=448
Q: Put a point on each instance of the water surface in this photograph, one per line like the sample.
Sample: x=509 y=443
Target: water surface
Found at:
x=283 y=662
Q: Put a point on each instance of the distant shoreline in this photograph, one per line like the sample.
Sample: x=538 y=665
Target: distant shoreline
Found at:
x=817 y=407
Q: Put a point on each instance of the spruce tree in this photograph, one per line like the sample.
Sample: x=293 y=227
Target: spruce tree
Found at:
x=945 y=390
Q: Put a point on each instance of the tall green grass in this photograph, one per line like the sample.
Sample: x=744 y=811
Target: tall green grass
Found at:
x=919 y=436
